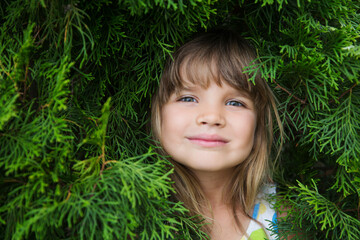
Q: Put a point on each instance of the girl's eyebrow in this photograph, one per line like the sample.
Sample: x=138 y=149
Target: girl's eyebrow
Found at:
x=240 y=93
x=187 y=88
x=243 y=94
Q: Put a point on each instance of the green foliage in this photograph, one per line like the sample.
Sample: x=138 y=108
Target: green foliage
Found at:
x=310 y=54
x=313 y=211
x=76 y=79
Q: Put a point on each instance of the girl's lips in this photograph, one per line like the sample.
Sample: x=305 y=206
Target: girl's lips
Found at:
x=208 y=140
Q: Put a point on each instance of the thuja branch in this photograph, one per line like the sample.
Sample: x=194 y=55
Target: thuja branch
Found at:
x=344 y=93
x=347 y=91
x=3 y=68
x=69 y=192
x=25 y=79
x=302 y=101
x=104 y=164
x=102 y=157
x=9 y=75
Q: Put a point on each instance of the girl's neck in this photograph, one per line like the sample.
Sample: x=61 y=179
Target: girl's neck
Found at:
x=221 y=213
x=213 y=185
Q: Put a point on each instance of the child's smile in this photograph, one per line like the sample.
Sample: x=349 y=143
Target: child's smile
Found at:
x=207 y=140
x=208 y=129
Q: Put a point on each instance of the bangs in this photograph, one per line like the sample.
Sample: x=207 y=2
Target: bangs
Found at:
x=202 y=69
x=212 y=58
x=199 y=72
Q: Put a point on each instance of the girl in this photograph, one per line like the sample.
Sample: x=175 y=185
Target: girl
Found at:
x=216 y=126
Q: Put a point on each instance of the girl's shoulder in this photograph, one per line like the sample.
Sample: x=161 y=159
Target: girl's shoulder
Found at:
x=264 y=215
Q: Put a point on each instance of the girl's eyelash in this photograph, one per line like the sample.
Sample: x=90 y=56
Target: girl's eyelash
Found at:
x=187 y=99
x=235 y=103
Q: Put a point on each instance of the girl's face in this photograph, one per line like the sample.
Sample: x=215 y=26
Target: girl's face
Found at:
x=208 y=130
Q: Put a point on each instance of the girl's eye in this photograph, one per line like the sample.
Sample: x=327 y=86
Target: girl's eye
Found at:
x=187 y=99
x=234 y=104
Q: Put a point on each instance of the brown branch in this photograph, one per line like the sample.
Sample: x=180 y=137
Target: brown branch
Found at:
x=69 y=193
x=25 y=79
x=67 y=120
x=45 y=106
x=9 y=75
x=102 y=168
x=37 y=36
x=14 y=181
x=357 y=210
x=93 y=120
x=350 y=210
x=302 y=101
x=349 y=90
x=66 y=29
x=103 y=165
x=102 y=157
x=344 y=93
x=3 y=68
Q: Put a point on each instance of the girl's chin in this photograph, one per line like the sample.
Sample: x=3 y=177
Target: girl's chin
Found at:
x=210 y=169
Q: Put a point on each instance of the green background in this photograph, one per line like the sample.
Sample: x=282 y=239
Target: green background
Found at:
x=76 y=80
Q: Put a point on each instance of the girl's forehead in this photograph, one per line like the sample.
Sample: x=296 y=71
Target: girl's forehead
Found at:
x=199 y=83
x=196 y=72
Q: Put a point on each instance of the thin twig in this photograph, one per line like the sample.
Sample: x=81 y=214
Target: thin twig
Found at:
x=102 y=157
x=66 y=29
x=25 y=79
x=103 y=165
x=69 y=193
x=67 y=120
x=290 y=94
x=3 y=68
x=350 y=210
x=344 y=93
x=9 y=75
x=14 y=180
x=349 y=90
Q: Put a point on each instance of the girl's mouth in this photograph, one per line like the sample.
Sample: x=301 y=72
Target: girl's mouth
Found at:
x=206 y=140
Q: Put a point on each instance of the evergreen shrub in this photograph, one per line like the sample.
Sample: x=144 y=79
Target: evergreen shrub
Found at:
x=76 y=79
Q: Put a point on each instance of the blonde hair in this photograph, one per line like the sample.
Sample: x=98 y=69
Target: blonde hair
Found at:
x=229 y=54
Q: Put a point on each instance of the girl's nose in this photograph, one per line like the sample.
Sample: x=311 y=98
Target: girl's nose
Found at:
x=211 y=117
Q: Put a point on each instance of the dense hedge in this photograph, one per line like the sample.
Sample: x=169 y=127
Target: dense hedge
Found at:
x=76 y=79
